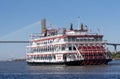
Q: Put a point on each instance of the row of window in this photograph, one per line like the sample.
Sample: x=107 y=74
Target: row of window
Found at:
x=51 y=48
x=41 y=57
x=47 y=49
x=69 y=39
x=84 y=39
x=45 y=42
x=56 y=48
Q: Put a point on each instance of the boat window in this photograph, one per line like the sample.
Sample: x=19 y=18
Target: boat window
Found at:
x=70 y=48
x=77 y=40
x=73 y=39
x=35 y=50
x=63 y=48
x=41 y=49
x=37 y=43
x=50 y=41
x=65 y=39
x=89 y=39
x=74 y=48
x=85 y=39
x=81 y=39
x=69 y=39
x=100 y=39
x=92 y=39
x=46 y=49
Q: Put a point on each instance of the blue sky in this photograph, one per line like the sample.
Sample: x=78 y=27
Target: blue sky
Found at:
x=102 y=14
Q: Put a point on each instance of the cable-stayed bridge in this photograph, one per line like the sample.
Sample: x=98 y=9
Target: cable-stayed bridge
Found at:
x=112 y=44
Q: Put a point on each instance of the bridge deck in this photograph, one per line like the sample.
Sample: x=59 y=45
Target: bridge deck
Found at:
x=14 y=41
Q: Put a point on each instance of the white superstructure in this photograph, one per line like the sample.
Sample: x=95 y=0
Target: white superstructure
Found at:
x=71 y=47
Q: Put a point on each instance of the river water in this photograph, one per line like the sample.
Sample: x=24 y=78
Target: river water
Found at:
x=20 y=70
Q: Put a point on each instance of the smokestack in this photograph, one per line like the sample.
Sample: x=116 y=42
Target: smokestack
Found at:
x=43 y=25
x=71 y=26
x=64 y=30
x=82 y=27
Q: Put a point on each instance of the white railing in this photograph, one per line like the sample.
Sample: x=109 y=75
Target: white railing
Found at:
x=35 y=36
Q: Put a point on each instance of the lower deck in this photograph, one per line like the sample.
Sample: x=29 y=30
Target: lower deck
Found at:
x=84 y=55
x=74 y=63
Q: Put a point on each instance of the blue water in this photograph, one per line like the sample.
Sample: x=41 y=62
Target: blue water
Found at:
x=20 y=70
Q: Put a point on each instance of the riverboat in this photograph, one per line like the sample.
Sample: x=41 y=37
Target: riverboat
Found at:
x=68 y=47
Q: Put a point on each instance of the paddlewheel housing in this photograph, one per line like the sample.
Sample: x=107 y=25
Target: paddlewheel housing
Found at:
x=93 y=54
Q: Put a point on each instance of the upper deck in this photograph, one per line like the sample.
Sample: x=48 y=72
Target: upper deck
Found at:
x=64 y=36
x=67 y=34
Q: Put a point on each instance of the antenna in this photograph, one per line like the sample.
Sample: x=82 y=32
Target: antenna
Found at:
x=78 y=21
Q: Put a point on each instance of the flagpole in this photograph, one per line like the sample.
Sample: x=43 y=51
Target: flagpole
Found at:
x=78 y=22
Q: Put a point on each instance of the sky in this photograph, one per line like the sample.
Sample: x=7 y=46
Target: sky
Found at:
x=18 y=18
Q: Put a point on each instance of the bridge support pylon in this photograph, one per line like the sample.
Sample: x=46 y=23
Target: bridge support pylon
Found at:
x=115 y=48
